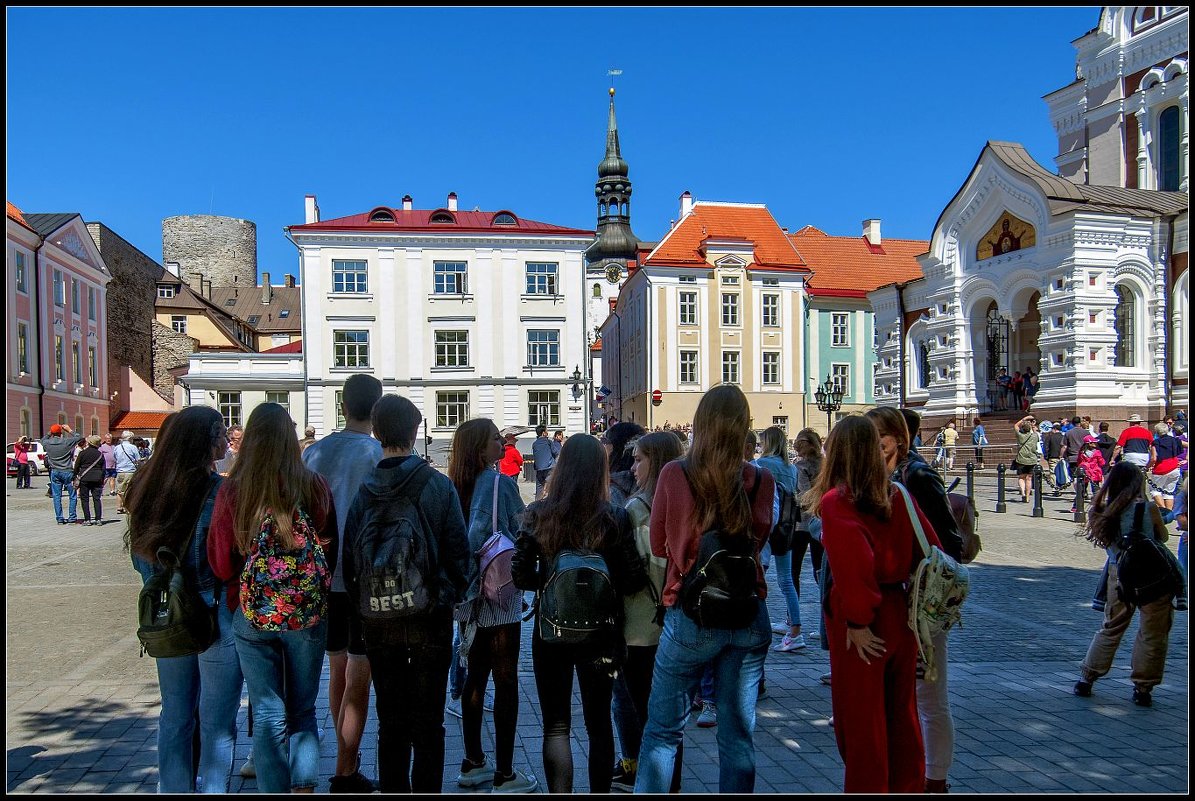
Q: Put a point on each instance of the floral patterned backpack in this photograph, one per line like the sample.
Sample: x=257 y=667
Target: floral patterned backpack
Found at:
x=285 y=590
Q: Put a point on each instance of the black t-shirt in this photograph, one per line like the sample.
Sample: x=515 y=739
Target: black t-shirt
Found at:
x=1052 y=444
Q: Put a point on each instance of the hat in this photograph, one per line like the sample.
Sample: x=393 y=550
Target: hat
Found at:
x=1046 y=425
x=1089 y=440
x=55 y=430
x=1134 y=418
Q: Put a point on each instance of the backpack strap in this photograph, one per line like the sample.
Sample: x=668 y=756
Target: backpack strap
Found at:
x=494 y=513
x=916 y=521
x=412 y=488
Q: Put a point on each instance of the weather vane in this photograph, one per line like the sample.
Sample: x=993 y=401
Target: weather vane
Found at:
x=613 y=73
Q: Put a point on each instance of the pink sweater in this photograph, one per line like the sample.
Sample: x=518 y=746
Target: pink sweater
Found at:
x=674 y=533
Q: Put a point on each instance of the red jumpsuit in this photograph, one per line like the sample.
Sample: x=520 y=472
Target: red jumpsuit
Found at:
x=875 y=705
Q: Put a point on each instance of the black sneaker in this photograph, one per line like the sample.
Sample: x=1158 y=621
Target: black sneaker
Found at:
x=623 y=780
x=353 y=783
x=1083 y=689
x=1142 y=697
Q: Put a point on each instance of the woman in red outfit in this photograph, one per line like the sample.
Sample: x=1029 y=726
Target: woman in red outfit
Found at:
x=511 y=463
x=868 y=539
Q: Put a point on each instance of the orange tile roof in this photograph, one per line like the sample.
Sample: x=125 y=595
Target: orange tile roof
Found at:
x=852 y=263
x=151 y=421
x=754 y=224
x=17 y=215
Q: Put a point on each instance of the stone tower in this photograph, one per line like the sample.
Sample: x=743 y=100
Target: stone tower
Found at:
x=221 y=249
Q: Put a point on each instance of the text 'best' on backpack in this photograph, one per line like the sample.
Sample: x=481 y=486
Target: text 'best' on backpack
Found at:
x=1146 y=569
x=294 y=597
x=173 y=619
x=719 y=591
x=395 y=556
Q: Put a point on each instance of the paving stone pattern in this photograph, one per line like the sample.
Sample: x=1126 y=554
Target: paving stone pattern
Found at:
x=82 y=707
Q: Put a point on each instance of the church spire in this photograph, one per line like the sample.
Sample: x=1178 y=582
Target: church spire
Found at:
x=615 y=241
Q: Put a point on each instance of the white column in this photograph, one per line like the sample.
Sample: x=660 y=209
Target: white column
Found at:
x=1143 y=176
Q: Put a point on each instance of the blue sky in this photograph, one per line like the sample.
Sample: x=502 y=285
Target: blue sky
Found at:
x=827 y=115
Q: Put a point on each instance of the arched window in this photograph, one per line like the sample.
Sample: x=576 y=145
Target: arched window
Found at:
x=443 y=217
x=924 y=373
x=26 y=428
x=381 y=216
x=1126 y=327
x=505 y=218
x=597 y=290
x=95 y=426
x=1168 y=150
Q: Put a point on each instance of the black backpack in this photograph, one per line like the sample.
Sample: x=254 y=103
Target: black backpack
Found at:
x=719 y=592
x=579 y=601
x=1146 y=569
x=173 y=619
x=395 y=556
x=781 y=538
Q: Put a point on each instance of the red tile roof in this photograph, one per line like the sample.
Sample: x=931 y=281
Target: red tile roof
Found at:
x=597 y=345
x=151 y=421
x=290 y=347
x=420 y=220
x=15 y=214
x=750 y=224
x=851 y=264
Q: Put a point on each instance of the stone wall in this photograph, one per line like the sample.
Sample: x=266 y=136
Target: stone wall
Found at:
x=171 y=349
x=223 y=249
x=130 y=308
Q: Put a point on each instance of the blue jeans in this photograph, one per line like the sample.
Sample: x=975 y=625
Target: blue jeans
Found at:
x=208 y=684
x=626 y=717
x=59 y=479
x=456 y=674
x=784 y=580
x=282 y=669
x=737 y=656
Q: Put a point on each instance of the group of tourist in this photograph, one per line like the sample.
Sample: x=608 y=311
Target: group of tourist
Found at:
x=294 y=550
x=87 y=467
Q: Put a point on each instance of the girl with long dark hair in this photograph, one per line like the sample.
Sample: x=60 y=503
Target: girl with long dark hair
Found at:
x=575 y=513
x=711 y=487
x=490 y=503
x=170 y=501
x=1114 y=511
x=281 y=661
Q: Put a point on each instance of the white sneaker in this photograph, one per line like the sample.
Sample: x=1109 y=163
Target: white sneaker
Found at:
x=780 y=628
x=790 y=643
x=249 y=770
x=519 y=783
x=709 y=715
x=472 y=775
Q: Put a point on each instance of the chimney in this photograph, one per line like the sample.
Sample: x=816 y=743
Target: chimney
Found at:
x=452 y=201
x=267 y=291
x=407 y=202
x=686 y=203
x=196 y=282
x=207 y=288
x=172 y=268
x=871 y=232
x=312 y=210
x=289 y=280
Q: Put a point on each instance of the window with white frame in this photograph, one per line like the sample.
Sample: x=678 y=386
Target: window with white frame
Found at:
x=229 y=405
x=730 y=367
x=59 y=289
x=730 y=308
x=771 y=282
x=93 y=367
x=26 y=423
x=19 y=258
x=840 y=376
x=543 y=407
x=452 y=409
x=543 y=348
x=450 y=277
x=179 y=323
x=452 y=349
x=840 y=330
x=350 y=275
x=59 y=358
x=781 y=422
x=730 y=280
x=771 y=309
x=1169 y=150
x=22 y=348
x=77 y=361
x=350 y=348
x=74 y=296
x=687 y=279
x=541 y=278
x=92 y=301
x=338 y=399
x=771 y=367
x=280 y=398
x=688 y=367
x=1125 y=317
x=165 y=291
x=688 y=308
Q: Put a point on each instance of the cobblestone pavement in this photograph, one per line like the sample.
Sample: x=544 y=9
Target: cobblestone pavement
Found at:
x=81 y=707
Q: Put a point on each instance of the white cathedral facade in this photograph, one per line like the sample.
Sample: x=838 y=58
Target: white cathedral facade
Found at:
x=1080 y=275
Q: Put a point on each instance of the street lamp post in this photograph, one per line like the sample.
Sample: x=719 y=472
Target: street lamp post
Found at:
x=829 y=400
x=576 y=379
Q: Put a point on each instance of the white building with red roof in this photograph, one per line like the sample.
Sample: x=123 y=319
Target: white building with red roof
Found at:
x=720 y=299
x=466 y=313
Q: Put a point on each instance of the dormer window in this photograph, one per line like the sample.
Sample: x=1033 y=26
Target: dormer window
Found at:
x=282 y=315
x=165 y=291
x=505 y=218
x=253 y=318
x=230 y=302
x=381 y=215
x=443 y=217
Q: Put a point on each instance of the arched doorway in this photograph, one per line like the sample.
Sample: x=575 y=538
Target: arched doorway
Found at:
x=996 y=334
x=1024 y=352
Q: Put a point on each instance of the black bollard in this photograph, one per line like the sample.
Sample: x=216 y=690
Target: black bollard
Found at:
x=1001 y=506
x=971 y=481
x=1038 y=511
x=1081 y=502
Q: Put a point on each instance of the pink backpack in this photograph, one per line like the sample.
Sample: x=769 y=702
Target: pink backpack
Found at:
x=497 y=583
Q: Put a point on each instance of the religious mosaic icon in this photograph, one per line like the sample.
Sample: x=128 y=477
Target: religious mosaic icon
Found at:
x=1008 y=235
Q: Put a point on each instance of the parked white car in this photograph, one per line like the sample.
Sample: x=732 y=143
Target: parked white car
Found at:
x=37 y=459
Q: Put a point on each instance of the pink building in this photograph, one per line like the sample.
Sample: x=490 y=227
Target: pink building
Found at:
x=56 y=300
